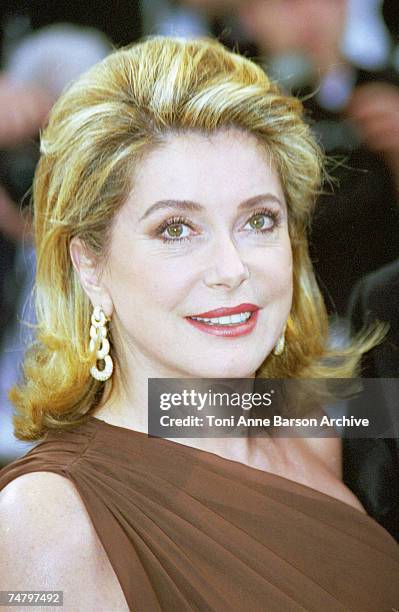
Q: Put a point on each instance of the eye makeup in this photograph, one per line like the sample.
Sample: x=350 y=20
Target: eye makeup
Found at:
x=175 y=224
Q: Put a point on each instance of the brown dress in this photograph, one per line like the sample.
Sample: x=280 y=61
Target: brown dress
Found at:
x=185 y=529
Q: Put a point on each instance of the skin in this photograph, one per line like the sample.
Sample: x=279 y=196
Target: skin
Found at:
x=212 y=7
x=311 y=27
x=23 y=111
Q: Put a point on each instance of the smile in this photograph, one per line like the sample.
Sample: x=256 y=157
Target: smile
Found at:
x=227 y=322
x=232 y=320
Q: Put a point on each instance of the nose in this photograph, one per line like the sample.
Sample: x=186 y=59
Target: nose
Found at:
x=227 y=268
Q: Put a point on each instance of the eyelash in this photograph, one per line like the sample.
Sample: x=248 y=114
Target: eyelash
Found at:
x=274 y=215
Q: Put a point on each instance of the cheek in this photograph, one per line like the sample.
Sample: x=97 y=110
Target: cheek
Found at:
x=154 y=283
x=280 y=285
x=276 y=271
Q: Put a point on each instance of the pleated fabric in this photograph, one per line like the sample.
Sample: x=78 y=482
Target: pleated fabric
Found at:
x=185 y=529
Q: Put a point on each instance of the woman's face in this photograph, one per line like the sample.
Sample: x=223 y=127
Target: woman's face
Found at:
x=204 y=228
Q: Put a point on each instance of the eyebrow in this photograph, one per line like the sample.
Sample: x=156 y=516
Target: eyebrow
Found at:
x=189 y=206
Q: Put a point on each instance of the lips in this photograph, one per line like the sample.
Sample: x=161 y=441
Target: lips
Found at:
x=225 y=312
x=230 y=329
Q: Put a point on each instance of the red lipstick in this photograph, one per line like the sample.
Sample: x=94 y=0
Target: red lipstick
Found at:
x=225 y=312
x=227 y=330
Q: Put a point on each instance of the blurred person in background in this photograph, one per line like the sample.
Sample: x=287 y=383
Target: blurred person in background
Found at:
x=37 y=71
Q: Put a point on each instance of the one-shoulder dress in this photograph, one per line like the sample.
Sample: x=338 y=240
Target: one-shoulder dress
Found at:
x=185 y=529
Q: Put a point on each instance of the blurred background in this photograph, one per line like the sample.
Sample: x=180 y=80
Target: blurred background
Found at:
x=340 y=56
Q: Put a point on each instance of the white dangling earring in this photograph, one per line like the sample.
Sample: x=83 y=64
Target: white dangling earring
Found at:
x=280 y=344
x=99 y=330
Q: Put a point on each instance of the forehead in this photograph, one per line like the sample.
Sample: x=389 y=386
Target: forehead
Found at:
x=218 y=169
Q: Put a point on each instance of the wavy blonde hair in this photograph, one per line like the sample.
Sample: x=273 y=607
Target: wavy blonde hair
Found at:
x=97 y=133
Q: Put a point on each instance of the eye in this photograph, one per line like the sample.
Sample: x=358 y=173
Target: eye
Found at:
x=262 y=221
x=175 y=230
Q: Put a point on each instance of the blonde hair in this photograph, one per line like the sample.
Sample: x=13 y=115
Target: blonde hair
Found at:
x=97 y=133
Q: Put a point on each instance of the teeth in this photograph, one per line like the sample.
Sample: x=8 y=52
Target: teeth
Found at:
x=230 y=320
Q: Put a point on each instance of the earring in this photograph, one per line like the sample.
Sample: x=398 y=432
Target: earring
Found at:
x=280 y=344
x=99 y=330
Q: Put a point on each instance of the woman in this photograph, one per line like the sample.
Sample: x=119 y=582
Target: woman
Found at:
x=175 y=185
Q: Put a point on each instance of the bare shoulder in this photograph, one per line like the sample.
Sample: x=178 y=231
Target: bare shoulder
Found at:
x=48 y=542
x=38 y=494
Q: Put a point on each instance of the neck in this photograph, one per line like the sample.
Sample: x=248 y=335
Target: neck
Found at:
x=127 y=406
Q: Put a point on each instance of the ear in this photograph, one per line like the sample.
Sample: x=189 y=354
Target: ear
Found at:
x=87 y=267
